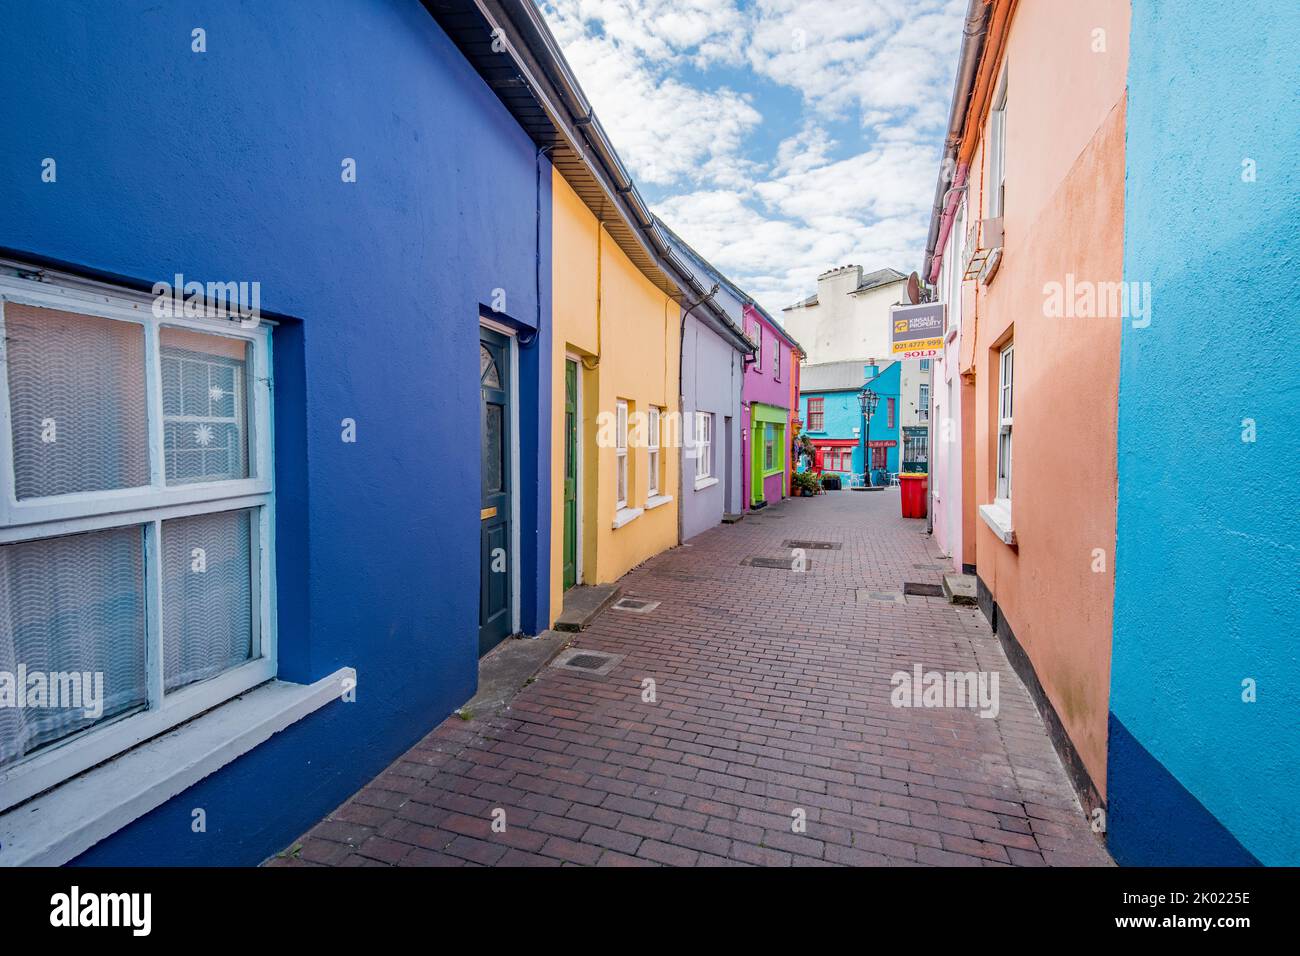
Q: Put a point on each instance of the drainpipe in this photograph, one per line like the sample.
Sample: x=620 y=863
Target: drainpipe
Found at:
x=537 y=245
x=929 y=451
x=590 y=364
x=972 y=46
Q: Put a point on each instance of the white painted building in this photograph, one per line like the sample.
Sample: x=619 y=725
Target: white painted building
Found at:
x=946 y=469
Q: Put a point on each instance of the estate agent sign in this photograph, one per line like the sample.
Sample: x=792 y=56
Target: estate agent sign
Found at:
x=918 y=330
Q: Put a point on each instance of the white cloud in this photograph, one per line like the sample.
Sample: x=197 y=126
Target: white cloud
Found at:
x=666 y=130
x=774 y=220
x=886 y=58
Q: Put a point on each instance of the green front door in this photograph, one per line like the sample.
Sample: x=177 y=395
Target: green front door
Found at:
x=570 y=473
x=756 y=464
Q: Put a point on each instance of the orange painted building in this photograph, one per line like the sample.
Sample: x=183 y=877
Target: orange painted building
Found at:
x=1039 y=188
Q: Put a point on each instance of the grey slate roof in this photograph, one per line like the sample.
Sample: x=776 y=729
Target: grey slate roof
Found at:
x=834 y=376
x=877 y=278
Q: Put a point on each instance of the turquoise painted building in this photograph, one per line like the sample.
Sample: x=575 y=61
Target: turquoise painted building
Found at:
x=1204 y=735
x=832 y=416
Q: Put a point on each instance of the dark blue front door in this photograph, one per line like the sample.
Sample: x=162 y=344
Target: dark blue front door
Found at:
x=494 y=514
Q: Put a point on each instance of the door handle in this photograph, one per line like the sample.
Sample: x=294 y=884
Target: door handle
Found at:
x=486 y=513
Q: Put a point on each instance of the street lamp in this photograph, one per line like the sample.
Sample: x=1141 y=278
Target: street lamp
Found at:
x=868 y=400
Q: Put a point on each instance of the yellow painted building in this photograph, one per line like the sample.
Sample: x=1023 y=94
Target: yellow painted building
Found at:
x=616 y=338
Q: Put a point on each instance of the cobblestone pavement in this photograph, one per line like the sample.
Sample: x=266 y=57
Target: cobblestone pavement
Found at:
x=771 y=705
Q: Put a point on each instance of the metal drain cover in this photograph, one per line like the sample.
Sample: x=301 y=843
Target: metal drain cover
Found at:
x=784 y=564
x=813 y=545
x=922 y=590
x=635 y=605
x=583 y=661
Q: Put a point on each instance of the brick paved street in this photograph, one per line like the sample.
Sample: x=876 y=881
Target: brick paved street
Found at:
x=772 y=696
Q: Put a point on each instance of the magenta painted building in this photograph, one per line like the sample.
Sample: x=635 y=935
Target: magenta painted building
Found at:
x=770 y=381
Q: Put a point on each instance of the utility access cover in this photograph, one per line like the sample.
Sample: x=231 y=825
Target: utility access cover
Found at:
x=813 y=545
x=783 y=564
x=583 y=661
x=922 y=590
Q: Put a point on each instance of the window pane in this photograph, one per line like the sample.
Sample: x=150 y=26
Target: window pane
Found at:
x=205 y=398
x=207 y=600
x=487 y=368
x=77 y=396
x=71 y=605
x=493 y=447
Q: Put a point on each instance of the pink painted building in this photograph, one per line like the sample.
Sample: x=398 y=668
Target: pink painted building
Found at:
x=766 y=410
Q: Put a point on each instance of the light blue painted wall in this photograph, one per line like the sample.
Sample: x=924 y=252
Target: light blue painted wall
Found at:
x=1206 y=564
x=843 y=413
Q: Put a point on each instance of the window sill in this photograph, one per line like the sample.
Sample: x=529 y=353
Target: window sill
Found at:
x=62 y=823
x=705 y=482
x=657 y=500
x=624 y=515
x=998 y=517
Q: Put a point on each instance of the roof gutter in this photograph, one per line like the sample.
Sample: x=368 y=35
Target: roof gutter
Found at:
x=950 y=177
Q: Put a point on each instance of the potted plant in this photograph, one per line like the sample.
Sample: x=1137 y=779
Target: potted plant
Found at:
x=805 y=484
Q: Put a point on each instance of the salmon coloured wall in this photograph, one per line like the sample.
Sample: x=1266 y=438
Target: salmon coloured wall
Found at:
x=1063 y=218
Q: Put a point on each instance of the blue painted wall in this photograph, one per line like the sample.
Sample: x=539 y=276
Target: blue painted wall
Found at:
x=843 y=414
x=226 y=165
x=840 y=415
x=888 y=385
x=1208 y=524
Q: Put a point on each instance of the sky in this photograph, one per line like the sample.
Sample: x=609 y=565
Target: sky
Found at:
x=780 y=138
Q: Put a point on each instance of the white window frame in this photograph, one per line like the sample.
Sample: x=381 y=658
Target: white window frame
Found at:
x=703 y=445
x=998 y=151
x=1006 y=407
x=758 y=362
x=820 y=412
x=652 y=451
x=923 y=406
x=776 y=364
x=146 y=507
x=620 y=455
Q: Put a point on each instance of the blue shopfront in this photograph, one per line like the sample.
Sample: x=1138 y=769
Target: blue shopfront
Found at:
x=832 y=409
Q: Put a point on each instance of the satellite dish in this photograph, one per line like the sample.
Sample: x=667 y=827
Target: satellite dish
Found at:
x=914 y=288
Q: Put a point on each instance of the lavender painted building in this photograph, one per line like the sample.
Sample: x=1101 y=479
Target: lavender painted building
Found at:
x=714 y=349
